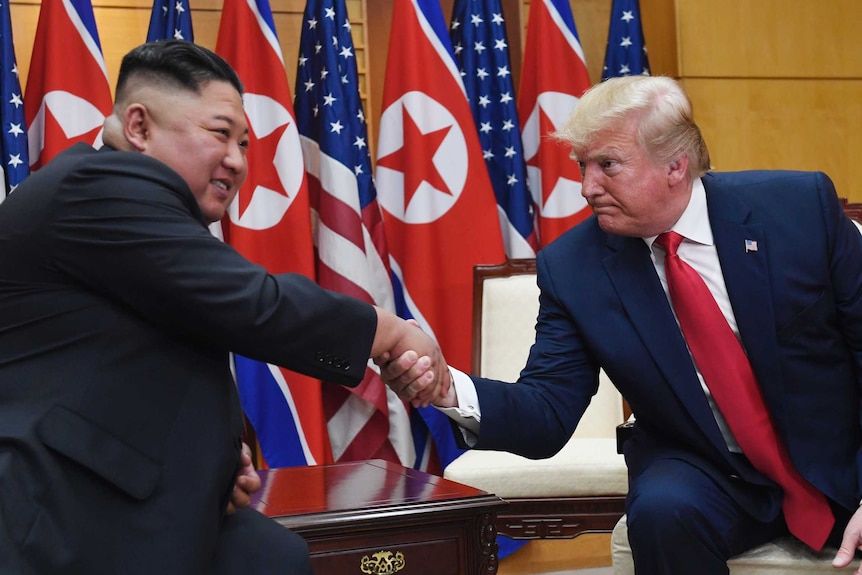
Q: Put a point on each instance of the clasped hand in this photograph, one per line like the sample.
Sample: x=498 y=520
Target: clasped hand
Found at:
x=410 y=361
x=412 y=377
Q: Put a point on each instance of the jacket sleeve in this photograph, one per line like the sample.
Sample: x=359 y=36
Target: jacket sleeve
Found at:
x=130 y=229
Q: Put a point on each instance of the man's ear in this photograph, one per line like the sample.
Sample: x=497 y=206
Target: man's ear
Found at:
x=136 y=126
x=677 y=170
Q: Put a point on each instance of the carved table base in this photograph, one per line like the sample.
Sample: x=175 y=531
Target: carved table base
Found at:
x=378 y=518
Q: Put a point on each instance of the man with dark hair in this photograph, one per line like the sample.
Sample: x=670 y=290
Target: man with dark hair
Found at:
x=120 y=424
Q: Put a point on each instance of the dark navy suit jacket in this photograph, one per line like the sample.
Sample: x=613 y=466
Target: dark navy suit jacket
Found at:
x=120 y=423
x=798 y=303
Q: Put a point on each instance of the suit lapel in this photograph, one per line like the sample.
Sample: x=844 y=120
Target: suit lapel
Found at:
x=746 y=276
x=631 y=271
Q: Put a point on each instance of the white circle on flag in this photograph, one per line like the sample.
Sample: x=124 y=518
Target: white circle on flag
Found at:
x=74 y=115
x=267 y=207
x=565 y=198
x=450 y=160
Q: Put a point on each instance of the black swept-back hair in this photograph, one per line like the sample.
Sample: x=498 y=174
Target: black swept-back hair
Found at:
x=175 y=63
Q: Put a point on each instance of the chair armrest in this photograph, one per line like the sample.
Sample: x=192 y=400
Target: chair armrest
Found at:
x=624 y=432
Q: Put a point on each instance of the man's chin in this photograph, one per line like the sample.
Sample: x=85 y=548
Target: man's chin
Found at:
x=214 y=214
x=617 y=227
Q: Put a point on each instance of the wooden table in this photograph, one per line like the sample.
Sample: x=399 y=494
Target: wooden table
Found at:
x=378 y=518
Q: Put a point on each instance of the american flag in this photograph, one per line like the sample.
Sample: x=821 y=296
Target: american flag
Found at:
x=626 y=53
x=65 y=103
x=553 y=78
x=478 y=32
x=13 y=143
x=368 y=421
x=269 y=223
x=170 y=20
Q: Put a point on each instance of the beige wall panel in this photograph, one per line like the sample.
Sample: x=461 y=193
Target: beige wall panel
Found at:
x=592 y=19
x=25 y=17
x=783 y=124
x=659 y=26
x=770 y=38
x=120 y=30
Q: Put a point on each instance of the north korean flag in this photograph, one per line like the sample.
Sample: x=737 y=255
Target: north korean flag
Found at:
x=553 y=78
x=68 y=95
x=270 y=223
x=440 y=213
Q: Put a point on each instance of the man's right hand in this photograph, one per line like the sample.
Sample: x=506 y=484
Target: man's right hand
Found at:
x=396 y=337
x=410 y=376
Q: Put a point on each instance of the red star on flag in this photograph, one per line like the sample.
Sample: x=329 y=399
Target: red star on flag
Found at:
x=261 y=165
x=415 y=158
x=553 y=159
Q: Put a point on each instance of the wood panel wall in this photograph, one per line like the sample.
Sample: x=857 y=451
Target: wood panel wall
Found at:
x=775 y=83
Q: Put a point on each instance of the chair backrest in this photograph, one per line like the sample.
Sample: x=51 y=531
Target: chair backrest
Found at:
x=852 y=209
x=854 y=212
x=505 y=307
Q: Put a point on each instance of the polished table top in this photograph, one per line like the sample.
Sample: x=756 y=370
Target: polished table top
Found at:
x=298 y=495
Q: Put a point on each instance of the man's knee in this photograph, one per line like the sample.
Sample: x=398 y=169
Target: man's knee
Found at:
x=660 y=515
x=674 y=501
x=251 y=544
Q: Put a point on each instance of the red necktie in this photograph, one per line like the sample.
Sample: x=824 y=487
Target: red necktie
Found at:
x=728 y=375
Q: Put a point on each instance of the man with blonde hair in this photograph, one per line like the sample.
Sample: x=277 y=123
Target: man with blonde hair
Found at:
x=725 y=307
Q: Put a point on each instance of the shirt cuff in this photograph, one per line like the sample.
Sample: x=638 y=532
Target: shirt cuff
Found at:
x=466 y=414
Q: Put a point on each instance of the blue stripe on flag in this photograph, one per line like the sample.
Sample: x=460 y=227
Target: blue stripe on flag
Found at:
x=564 y=11
x=84 y=9
x=261 y=397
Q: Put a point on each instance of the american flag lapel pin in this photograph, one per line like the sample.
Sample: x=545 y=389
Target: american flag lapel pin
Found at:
x=750 y=246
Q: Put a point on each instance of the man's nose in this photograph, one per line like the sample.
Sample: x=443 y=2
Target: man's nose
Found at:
x=590 y=182
x=235 y=157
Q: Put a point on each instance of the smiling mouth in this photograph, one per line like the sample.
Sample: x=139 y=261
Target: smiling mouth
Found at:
x=223 y=189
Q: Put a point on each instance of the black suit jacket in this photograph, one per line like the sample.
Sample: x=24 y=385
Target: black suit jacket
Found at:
x=120 y=424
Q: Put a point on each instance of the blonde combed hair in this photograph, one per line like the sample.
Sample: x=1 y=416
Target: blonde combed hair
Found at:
x=666 y=125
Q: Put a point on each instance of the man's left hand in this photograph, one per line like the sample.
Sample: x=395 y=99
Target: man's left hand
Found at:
x=850 y=543
x=247 y=482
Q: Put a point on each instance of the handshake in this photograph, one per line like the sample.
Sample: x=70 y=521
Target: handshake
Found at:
x=411 y=362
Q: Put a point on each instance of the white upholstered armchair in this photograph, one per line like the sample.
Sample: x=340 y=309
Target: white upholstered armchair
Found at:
x=580 y=489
